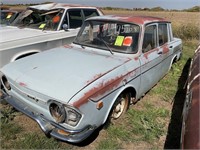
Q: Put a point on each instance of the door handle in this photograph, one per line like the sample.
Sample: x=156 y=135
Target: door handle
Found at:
x=160 y=52
x=171 y=47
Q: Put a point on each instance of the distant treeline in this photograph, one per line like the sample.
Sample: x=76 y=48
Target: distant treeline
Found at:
x=193 y=9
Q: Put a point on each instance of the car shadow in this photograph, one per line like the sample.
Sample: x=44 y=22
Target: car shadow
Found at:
x=85 y=142
x=90 y=139
x=174 y=128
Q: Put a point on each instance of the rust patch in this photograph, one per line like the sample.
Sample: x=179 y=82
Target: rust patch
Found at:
x=143 y=19
x=146 y=55
x=68 y=46
x=97 y=76
x=136 y=58
x=192 y=129
x=103 y=88
x=165 y=49
x=191 y=137
x=99 y=90
x=22 y=84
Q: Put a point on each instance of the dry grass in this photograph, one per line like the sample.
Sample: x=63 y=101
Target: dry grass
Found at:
x=185 y=25
x=175 y=17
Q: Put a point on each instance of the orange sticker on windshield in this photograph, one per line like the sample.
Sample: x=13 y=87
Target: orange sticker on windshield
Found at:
x=56 y=19
x=127 y=41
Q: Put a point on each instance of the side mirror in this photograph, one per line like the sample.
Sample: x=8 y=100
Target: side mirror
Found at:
x=65 y=27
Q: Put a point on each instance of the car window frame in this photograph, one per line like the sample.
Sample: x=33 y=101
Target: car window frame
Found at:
x=168 y=38
x=138 y=42
x=85 y=9
x=83 y=17
x=156 y=36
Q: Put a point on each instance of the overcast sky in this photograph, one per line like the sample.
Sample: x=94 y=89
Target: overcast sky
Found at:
x=167 y=4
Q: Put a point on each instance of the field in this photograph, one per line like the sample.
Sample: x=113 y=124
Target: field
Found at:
x=186 y=25
x=152 y=123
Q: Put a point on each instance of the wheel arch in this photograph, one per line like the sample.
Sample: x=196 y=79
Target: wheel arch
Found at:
x=24 y=54
x=174 y=59
x=130 y=89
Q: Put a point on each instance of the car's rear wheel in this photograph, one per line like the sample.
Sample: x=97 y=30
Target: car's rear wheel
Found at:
x=121 y=105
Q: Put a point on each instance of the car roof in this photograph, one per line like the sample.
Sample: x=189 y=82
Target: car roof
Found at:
x=11 y=9
x=132 y=19
x=51 y=6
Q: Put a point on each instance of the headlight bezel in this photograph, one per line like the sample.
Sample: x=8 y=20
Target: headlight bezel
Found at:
x=57 y=111
x=71 y=115
x=5 y=83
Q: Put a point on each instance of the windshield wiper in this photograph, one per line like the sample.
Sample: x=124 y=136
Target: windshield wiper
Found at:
x=104 y=42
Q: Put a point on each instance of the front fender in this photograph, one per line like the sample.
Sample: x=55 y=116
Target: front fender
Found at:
x=116 y=95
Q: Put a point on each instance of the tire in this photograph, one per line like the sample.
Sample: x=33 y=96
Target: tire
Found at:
x=121 y=105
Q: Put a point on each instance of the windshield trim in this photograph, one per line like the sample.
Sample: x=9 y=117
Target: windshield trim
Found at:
x=105 y=48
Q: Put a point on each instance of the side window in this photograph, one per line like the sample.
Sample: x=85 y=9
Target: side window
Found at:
x=149 y=41
x=162 y=34
x=90 y=13
x=75 y=18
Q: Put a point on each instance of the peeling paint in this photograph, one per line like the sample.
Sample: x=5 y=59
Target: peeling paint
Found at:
x=165 y=49
x=136 y=58
x=22 y=84
x=68 y=46
x=143 y=19
x=97 y=76
x=146 y=55
x=140 y=20
x=103 y=88
x=100 y=89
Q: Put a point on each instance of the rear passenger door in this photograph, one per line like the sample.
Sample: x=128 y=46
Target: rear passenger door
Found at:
x=150 y=58
x=165 y=46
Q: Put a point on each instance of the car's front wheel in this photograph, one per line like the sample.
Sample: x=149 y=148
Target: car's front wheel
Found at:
x=121 y=105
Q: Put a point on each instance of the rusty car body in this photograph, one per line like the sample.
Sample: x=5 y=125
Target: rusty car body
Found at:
x=73 y=89
x=41 y=27
x=190 y=135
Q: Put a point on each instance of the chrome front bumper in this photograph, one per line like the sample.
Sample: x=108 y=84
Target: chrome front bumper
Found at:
x=49 y=127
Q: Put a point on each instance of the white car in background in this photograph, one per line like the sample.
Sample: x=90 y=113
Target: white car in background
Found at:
x=42 y=27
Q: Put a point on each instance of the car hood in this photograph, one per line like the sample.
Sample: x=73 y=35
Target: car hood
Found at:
x=62 y=72
x=11 y=33
x=14 y=37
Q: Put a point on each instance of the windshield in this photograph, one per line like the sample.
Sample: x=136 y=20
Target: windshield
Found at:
x=39 y=19
x=7 y=17
x=112 y=36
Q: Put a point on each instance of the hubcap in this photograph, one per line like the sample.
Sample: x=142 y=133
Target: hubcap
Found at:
x=119 y=108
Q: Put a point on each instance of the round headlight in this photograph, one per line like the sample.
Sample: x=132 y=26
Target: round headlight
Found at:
x=57 y=111
x=6 y=83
